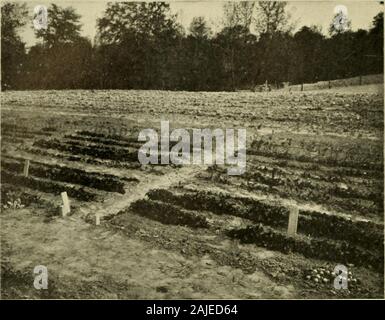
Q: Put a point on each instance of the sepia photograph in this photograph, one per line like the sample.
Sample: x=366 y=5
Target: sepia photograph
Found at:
x=192 y=150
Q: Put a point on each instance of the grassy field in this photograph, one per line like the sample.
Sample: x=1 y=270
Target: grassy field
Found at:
x=192 y=232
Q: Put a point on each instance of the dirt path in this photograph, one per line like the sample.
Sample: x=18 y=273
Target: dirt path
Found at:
x=112 y=205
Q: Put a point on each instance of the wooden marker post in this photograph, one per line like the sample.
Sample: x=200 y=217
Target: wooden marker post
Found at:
x=97 y=219
x=293 y=221
x=66 y=204
x=26 y=168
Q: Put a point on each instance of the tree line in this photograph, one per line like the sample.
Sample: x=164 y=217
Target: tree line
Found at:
x=142 y=46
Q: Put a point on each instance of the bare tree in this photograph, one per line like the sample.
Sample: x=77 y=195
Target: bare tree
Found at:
x=271 y=17
x=239 y=14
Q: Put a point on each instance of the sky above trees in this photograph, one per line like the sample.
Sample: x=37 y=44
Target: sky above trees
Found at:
x=302 y=13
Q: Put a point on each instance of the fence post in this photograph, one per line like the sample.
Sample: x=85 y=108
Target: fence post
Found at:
x=66 y=204
x=97 y=219
x=293 y=221
x=26 y=168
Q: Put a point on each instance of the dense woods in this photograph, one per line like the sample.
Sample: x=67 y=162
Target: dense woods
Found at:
x=142 y=46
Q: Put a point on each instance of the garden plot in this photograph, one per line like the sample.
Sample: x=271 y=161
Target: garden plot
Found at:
x=65 y=174
x=321 y=235
x=319 y=151
x=340 y=174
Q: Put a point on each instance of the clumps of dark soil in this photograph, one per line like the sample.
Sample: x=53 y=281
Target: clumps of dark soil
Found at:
x=320 y=235
x=82 y=158
x=111 y=136
x=102 y=141
x=47 y=186
x=100 y=151
x=364 y=233
x=218 y=203
x=95 y=180
x=303 y=184
x=168 y=213
x=13 y=131
x=332 y=250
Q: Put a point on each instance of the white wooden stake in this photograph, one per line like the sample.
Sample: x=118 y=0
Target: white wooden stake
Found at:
x=97 y=219
x=26 y=168
x=66 y=204
x=293 y=221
